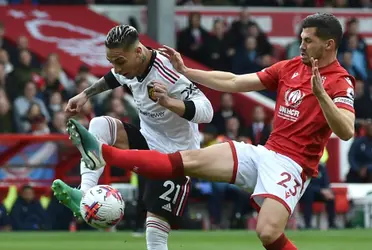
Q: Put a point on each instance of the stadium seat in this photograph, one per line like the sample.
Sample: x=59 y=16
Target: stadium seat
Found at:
x=318 y=209
x=341 y=200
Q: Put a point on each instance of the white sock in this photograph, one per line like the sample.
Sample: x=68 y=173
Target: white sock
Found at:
x=157 y=232
x=105 y=129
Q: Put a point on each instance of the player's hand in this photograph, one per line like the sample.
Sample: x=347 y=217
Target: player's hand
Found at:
x=174 y=57
x=161 y=93
x=316 y=79
x=327 y=193
x=75 y=104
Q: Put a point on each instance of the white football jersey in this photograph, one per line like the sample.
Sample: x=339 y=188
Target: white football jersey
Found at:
x=164 y=130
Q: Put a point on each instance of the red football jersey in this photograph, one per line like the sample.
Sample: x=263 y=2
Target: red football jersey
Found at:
x=300 y=130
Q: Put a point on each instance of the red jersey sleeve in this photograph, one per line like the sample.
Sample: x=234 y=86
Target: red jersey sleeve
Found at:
x=270 y=76
x=342 y=93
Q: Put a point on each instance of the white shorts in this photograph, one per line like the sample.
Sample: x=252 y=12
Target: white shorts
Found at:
x=270 y=174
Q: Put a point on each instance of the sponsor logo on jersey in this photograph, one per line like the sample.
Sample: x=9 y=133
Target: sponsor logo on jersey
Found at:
x=288 y=113
x=152 y=114
x=292 y=99
x=188 y=91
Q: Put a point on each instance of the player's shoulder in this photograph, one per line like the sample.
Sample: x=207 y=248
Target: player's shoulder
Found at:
x=165 y=69
x=337 y=73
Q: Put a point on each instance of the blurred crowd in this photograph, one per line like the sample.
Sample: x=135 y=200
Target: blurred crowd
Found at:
x=256 y=3
x=33 y=93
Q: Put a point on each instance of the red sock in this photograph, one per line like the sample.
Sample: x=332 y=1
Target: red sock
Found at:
x=282 y=243
x=148 y=163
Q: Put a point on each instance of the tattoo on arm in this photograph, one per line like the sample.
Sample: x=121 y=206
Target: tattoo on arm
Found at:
x=96 y=88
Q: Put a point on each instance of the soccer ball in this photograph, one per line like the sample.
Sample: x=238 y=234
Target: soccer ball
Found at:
x=102 y=206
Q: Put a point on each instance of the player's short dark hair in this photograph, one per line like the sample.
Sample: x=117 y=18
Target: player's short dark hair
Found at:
x=327 y=26
x=121 y=36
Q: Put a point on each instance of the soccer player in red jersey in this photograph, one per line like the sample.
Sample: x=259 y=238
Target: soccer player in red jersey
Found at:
x=315 y=98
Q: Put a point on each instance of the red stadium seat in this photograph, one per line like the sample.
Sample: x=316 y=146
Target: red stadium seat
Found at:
x=318 y=209
x=341 y=201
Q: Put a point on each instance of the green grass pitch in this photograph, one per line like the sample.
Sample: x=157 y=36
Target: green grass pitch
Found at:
x=185 y=240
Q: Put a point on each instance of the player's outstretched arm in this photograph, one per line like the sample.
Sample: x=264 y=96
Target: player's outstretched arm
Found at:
x=98 y=87
x=217 y=80
x=76 y=103
x=340 y=120
x=225 y=81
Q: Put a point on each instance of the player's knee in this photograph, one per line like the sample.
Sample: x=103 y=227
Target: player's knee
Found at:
x=268 y=233
x=192 y=160
x=98 y=123
x=104 y=128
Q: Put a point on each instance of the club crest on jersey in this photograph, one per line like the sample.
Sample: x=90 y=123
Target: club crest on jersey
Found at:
x=150 y=90
x=293 y=98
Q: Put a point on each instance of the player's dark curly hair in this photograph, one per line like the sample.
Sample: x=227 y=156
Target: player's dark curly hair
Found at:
x=121 y=36
x=327 y=26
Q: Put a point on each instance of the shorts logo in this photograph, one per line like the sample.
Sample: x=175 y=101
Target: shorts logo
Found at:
x=167 y=207
x=293 y=98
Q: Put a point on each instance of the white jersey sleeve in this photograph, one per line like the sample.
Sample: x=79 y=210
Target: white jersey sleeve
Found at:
x=198 y=108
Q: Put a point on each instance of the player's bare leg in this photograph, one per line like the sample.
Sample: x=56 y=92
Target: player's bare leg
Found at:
x=272 y=220
x=215 y=163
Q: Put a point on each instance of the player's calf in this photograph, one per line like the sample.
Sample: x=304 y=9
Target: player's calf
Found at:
x=272 y=220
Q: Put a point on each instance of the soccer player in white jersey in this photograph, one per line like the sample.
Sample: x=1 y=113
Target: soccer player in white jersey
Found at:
x=170 y=108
